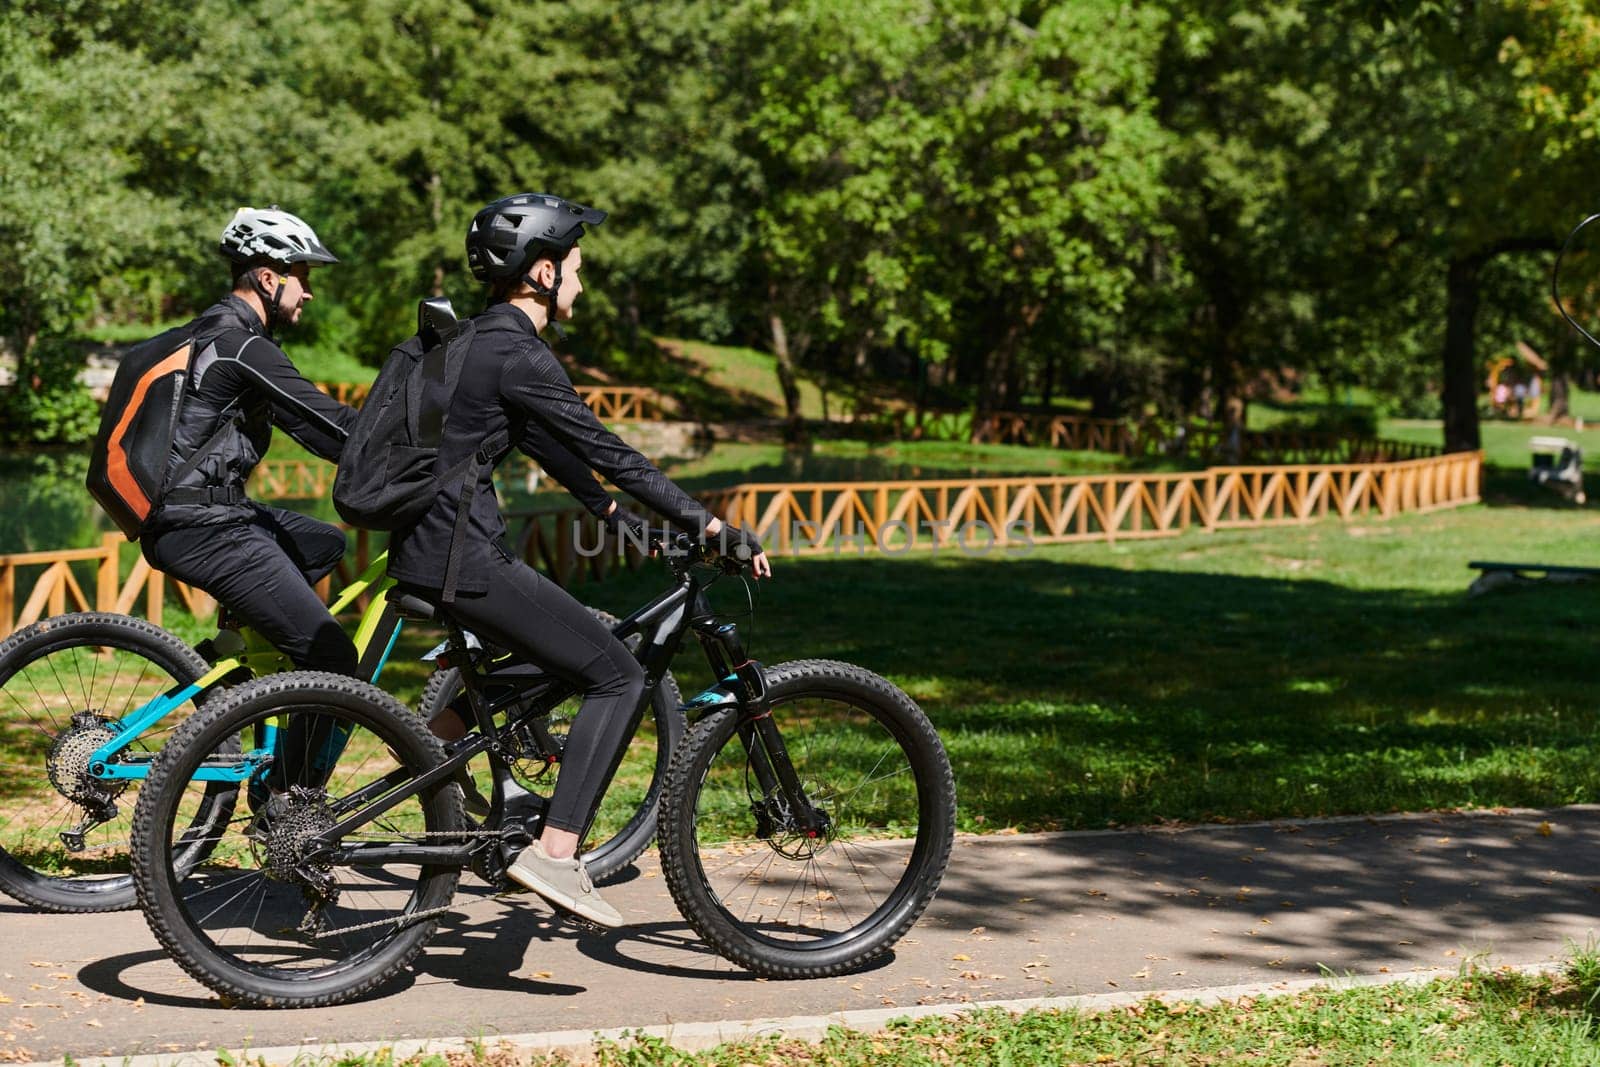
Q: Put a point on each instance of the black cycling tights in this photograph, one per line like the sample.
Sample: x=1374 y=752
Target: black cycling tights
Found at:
x=537 y=619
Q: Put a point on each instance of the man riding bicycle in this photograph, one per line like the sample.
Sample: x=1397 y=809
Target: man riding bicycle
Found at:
x=259 y=562
x=526 y=248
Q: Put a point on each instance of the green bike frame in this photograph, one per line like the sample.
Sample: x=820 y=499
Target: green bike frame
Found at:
x=376 y=633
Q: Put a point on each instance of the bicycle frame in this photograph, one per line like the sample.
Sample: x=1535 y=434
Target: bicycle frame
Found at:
x=376 y=633
x=662 y=624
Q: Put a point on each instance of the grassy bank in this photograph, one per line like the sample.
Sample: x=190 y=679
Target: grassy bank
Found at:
x=1479 y=1016
x=1314 y=670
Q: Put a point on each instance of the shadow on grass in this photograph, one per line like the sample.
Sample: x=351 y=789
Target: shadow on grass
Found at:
x=1084 y=696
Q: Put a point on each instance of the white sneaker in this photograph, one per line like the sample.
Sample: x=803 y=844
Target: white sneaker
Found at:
x=564 y=883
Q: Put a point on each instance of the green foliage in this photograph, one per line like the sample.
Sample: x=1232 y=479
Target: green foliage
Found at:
x=48 y=405
x=1145 y=205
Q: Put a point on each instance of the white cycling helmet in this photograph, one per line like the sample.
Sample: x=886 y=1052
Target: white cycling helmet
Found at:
x=270 y=237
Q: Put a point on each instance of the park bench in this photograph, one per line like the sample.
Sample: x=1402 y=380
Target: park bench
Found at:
x=1495 y=575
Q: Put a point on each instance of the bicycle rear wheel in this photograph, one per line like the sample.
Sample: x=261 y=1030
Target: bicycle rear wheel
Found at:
x=751 y=882
x=266 y=919
x=67 y=682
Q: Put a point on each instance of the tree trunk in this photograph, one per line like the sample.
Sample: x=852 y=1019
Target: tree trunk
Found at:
x=794 y=428
x=1460 y=390
x=1563 y=351
x=436 y=203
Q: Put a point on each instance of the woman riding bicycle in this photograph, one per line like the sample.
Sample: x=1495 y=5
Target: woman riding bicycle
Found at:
x=526 y=248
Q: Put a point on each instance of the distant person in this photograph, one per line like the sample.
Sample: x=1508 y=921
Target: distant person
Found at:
x=259 y=562
x=1502 y=397
x=1519 y=396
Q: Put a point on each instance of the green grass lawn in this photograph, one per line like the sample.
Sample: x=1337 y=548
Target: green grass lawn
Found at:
x=1477 y=1017
x=1314 y=670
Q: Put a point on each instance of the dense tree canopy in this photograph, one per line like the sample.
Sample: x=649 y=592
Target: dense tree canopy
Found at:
x=1158 y=206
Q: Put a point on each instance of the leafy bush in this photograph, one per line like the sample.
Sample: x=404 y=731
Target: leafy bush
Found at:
x=48 y=405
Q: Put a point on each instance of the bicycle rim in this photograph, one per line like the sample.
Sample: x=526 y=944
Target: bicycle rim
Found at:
x=62 y=700
x=789 y=891
x=253 y=904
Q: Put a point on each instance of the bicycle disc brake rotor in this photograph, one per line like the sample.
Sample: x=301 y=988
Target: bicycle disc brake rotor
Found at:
x=70 y=756
x=537 y=750
x=776 y=823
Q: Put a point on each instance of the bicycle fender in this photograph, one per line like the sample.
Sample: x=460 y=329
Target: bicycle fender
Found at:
x=714 y=699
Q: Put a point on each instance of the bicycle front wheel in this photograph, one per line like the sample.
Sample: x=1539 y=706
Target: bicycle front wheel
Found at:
x=760 y=890
x=68 y=682
x=273 y=917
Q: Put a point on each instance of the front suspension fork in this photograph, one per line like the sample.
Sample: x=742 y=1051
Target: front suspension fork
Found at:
x=763 y=743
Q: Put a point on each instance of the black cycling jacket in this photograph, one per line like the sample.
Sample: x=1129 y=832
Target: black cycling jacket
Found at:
x=511 y=381
x=242 y=384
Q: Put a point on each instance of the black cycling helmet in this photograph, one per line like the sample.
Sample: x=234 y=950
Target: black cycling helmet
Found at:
x=509 y=236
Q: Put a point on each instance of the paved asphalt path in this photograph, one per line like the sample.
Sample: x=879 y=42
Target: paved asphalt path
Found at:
x=1018 y=916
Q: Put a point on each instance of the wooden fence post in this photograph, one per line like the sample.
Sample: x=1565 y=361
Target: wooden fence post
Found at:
x=8 y=596
x=105 y=591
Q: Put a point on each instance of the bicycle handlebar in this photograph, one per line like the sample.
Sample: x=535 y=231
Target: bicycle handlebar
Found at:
x=690 y=550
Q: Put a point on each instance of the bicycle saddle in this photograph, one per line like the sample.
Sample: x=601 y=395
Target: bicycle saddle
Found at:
x=410 y=606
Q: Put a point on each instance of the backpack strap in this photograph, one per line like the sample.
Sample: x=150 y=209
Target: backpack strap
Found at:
x=198 y=456
x=471 y=467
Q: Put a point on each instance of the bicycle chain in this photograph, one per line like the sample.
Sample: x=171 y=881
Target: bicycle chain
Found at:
x=421 y=916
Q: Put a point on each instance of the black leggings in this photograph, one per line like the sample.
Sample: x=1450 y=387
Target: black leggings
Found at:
x=532 y=616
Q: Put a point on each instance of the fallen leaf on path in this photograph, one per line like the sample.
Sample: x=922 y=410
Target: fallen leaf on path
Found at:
x=961 y=956
x=542 y=974
x=1545 y=829
x=94 y=1022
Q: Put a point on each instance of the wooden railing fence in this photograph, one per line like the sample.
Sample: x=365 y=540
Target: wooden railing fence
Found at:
x=615 y=403
x=802 y=519
x=896 y=516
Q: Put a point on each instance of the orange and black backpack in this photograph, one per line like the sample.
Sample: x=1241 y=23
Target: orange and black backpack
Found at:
x=132 y=453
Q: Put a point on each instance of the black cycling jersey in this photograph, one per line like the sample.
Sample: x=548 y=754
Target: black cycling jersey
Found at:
x=242 y=384
x=512 y=381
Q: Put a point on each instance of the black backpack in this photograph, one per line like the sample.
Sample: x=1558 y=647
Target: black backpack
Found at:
x=389 y=475
x=132 y=452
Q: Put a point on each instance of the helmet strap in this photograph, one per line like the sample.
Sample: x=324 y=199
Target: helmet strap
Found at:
x=550 y=293
x=271 y=302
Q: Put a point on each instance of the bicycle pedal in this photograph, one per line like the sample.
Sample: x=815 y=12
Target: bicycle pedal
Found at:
x=572 y=918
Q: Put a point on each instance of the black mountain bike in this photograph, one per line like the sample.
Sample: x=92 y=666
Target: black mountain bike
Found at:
x=805 y=824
